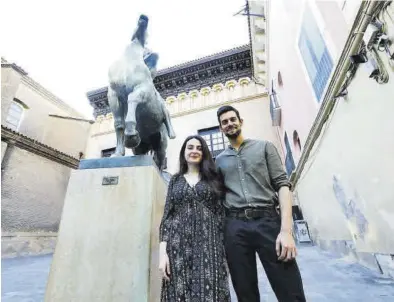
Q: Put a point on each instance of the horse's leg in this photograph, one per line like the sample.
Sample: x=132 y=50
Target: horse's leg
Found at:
x=159 y=148
x=132 y=137
x=142 y=149
x=117 y=108
x=167 y=121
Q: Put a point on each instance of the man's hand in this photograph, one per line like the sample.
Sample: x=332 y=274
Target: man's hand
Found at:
x=285 y=246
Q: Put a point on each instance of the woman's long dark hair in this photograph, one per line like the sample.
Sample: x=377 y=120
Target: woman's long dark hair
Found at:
x=208 y=170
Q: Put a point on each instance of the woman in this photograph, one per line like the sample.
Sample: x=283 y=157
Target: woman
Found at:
x=192 y=258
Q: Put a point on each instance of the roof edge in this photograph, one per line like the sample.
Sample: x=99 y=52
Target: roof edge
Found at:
x=26 y=143
x=187 y=64
x=205 y=59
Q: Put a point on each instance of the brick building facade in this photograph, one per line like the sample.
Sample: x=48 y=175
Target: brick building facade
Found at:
x=42 y=139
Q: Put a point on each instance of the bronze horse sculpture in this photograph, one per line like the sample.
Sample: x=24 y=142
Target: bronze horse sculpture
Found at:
x=141 y=119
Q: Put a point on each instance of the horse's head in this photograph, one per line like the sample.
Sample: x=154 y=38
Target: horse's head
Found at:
x=143 y=20
x=140 y=33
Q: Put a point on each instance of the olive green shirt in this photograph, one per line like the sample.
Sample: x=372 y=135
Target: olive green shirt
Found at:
x=252 y=175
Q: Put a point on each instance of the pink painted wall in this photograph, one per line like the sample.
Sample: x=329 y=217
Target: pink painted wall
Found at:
x=296 y=96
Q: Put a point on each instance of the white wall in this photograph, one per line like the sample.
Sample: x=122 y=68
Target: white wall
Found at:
x=358 y=149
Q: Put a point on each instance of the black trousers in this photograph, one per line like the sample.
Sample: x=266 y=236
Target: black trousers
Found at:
x=246 y=237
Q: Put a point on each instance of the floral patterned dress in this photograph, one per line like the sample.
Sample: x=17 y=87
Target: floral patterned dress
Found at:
x=192 y=226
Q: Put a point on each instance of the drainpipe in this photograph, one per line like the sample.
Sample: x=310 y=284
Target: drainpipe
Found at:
x=352 y=46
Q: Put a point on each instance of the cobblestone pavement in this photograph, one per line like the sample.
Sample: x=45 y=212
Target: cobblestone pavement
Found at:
x=326 y=278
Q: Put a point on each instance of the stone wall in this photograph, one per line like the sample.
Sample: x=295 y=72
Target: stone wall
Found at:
x=27 y=244
x=69 y=136
x=34 y=172
x=32 y=191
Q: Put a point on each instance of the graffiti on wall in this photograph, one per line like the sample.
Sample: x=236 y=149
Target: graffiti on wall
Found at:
x=350 y=207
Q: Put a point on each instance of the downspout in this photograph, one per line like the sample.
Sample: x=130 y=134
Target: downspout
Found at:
x=351 y=47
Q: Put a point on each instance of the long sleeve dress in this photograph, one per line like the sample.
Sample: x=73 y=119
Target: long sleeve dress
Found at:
x=192 y=226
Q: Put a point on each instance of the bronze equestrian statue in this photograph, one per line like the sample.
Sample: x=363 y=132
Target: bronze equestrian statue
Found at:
x=142 y=121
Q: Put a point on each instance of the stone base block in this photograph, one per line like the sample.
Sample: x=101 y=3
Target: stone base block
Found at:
x=108 y=241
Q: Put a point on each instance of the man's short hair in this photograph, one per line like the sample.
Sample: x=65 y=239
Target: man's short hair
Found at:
x=227 y=108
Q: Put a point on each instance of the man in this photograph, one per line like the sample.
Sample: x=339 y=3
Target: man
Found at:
x=255 y=183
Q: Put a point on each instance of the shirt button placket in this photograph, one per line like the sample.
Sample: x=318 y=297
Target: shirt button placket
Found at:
x=242 y=176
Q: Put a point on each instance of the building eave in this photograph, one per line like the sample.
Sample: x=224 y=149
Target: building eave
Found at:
x=205 y=59
x=26 y=143
x=6 y=64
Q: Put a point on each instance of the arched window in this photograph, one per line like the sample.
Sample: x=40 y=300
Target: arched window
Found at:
x=280 y=81
x=296 y=141
x=296 y=146
x=15 y=114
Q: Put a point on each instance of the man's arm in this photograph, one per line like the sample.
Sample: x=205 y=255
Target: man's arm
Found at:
x=282 y=185
x=285 y=210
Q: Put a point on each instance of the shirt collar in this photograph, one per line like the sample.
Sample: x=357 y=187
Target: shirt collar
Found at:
x=240 y=147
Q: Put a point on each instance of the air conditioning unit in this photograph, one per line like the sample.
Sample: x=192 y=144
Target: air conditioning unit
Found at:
x=275 y=110
x=277 y=116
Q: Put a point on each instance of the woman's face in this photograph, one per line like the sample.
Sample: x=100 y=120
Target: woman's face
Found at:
x=193 y=151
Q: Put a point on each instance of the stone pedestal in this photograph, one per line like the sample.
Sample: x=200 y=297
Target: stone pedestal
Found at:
x=108 y=241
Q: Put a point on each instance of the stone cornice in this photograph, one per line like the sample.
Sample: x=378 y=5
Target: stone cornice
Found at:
x=228 y=65
x=203 y=60
x=17 y=68
x=31 y=145
x=103 y=133
x=239 y=100
x=204 y=91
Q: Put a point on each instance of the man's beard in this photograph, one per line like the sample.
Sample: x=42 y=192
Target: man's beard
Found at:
x=234 y=135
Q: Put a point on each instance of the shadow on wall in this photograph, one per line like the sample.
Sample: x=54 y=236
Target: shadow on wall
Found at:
x=352 y=212
x=360 y=229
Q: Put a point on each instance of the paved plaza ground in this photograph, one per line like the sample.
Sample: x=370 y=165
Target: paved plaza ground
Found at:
x=326 y=278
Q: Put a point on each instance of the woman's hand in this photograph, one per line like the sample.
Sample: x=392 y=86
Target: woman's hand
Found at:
x=164 y=266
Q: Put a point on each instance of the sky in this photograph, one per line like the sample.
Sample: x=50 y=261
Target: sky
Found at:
x=67 y=46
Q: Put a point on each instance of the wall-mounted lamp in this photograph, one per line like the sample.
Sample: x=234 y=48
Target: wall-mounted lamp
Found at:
x=358 y=58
